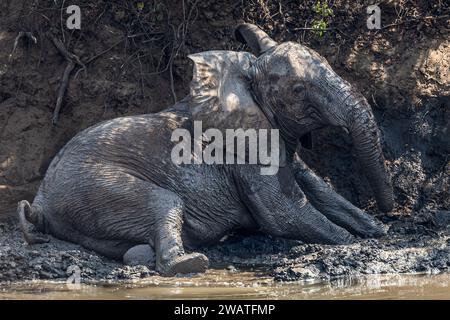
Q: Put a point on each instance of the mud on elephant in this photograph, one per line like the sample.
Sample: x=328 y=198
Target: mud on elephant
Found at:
x=114 y=189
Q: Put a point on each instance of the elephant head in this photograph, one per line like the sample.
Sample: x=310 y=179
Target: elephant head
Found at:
x=290 y=87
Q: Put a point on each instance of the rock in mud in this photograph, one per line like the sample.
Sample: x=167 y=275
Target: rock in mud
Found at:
x=140 y=255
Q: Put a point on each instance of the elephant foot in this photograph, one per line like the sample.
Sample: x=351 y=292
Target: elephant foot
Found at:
x=188 y=263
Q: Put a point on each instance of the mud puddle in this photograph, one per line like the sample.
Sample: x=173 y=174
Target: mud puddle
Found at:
x=221 y=284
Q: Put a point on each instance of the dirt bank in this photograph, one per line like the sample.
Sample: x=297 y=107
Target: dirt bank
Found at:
x=136 y=63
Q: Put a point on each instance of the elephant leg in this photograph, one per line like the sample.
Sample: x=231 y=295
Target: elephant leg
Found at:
x=170 y=255
x=334 y=206
x=281 y=209
x=115 y=211
x=299 y=221
x=110 y=248
x=113 y=249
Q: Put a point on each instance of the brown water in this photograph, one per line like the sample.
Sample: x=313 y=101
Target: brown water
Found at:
x=218 y=284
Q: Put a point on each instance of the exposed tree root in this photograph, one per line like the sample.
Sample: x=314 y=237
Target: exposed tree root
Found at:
x=62 y=90
x=21 y=34
x=72 y=60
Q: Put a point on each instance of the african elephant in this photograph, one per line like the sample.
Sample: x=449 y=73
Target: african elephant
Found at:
x=114 y=187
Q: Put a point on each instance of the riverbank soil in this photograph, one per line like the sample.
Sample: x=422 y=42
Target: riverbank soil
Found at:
x=133 y=60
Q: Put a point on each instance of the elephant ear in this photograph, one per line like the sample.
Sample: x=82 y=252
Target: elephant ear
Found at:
x=220 y=93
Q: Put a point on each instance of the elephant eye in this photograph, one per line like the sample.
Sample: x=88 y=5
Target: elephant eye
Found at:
x=299 y=90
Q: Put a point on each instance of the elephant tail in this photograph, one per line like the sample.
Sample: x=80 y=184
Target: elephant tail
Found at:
x=29 y=217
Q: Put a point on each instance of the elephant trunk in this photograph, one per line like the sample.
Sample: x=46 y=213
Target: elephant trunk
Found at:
x=367 y=142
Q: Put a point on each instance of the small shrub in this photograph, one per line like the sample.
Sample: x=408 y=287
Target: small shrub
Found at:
x=324 y=12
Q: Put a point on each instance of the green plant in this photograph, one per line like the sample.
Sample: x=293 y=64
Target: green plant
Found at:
x=320 y=24
x=323 y=9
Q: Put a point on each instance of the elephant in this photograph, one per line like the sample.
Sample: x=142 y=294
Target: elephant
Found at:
x=113 y=187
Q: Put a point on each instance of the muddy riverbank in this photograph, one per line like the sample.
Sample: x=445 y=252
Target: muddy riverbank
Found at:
x=412 y=245
x=139 y=65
